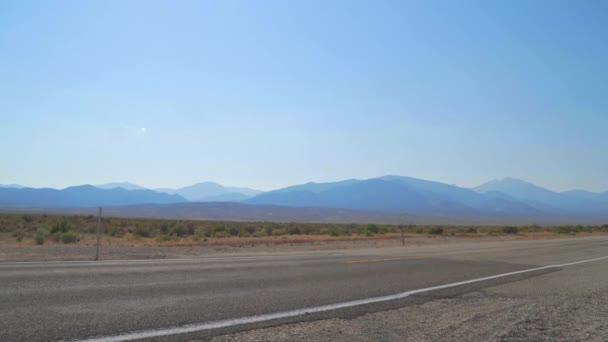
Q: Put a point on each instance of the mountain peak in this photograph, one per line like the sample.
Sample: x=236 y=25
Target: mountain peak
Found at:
x=507 y=182
x=12 y=186
x=212 y=191
x=125 y=185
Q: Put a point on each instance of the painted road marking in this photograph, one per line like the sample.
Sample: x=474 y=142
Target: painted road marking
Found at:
x=190 y=328
x=410 y=257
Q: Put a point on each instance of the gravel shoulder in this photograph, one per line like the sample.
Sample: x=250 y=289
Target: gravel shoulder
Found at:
x=570 y=304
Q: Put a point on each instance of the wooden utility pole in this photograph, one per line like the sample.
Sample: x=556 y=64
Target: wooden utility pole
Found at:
x=98 y=235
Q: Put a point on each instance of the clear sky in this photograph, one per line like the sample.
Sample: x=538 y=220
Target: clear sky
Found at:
x=271 y=93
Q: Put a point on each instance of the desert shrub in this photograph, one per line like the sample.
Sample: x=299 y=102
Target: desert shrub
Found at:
x=436 y=230
x=116 y=231
x=69 y=237
x=142 y=231
x=221 y=234
x=309 y=230
x=164 y=228
x=208 y=232
x=233 y=231
x=61 y=227
x=510 y=230
x=472 y=230
x=19 y=235
x=190 y=229
x=366 y=231
x=258 y=233
x=333 y=231
x=419 y=231
x=41 y=235
x=27 y=218
x=293 y=230
x=278 y=232
x=564 y=230
x=179 y=230
x=163 y=238
x=373 y=228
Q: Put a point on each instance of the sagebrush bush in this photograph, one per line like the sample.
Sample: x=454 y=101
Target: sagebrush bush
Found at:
x=69 y=237
x=61 y=227
x=116 y=231
x=436 y=231
x=164 y=238
x=373 y=228
x=293 y=230
x=41 y=235
x=143 y=231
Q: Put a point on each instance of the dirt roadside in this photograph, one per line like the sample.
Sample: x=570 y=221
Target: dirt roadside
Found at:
x=148 y=249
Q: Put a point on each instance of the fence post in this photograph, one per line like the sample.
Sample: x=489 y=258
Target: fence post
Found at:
x=98 y=235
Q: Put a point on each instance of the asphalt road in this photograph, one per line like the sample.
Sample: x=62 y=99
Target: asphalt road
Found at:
x=81 y=300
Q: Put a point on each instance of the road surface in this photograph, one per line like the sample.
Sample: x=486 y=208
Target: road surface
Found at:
x=192 y=299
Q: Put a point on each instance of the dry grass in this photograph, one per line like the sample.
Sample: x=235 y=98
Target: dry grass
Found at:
x=131 y=240
x=21 y=230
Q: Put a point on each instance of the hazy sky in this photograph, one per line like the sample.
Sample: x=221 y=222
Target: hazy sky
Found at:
x=271 y=93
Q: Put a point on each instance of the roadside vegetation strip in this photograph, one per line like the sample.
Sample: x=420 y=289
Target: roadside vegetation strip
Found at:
x=192 y=328
x=23 y=229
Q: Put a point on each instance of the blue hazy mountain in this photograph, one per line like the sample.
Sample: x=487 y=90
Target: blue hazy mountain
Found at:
x=211 y=192
x=124 y=185
x=587 y=195
x=81 y=196
x=507 y=198
x=13 y=186
x=395 y=194
x=317 y=187
x=568 y=202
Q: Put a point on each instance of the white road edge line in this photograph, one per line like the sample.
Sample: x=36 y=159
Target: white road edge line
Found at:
x=190 y=328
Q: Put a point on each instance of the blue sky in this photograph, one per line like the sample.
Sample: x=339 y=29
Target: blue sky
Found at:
x=271 y=93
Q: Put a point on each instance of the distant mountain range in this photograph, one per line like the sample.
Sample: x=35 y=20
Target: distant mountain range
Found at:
x=396 y=194
x=80 y=196
x=200 y=192
x=16 y=186
x=123 y=185
x=212 y=192
x=389 y=196
x=568 y=202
